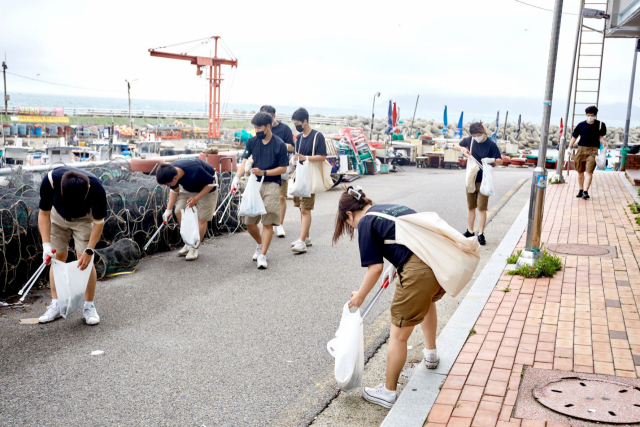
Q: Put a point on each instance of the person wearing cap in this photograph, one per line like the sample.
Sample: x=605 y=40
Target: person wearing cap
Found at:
x=480 y=146
x=284 y=132
x=588 y=134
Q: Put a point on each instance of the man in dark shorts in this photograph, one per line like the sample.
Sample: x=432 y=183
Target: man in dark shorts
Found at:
x=73 y=203
x=270 y=161
x=480 y=146
x=193 y=182
x=305 y=142
x=282 y=131
x=589 y=135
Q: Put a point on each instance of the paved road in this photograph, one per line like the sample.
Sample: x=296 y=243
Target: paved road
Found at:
x=215 y=342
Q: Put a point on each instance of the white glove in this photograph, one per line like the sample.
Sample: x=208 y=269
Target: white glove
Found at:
x=166 y=215
x=389 y=272
x=47 y=251
x=235 y=183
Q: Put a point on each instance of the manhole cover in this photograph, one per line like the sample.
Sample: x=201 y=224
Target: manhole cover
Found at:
x=591 y=399
x=583 y=250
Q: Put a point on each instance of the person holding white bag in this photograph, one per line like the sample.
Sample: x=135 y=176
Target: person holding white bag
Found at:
x=479 y=146
x=73 y=203
x=310 y=147
x=193 y=183
x=416 y=292
x=269 y=154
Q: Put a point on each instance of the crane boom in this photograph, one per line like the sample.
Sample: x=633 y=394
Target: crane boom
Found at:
x=215 y=80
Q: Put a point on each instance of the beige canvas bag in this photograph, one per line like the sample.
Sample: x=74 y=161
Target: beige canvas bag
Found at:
x=472 y=170
x=452 y=257
x=320 y=172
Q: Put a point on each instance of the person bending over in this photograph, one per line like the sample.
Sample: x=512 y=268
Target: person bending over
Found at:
x=193 y=182
x=416 y=292
x=73 y=203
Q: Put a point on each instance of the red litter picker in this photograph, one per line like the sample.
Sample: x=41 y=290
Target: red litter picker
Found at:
x=27 y=287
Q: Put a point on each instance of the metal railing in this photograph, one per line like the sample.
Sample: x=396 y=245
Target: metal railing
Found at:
x=173 y=115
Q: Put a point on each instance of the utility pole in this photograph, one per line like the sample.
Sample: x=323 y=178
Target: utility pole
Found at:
x=531 y=252
x=630 y=102
x=373 y=109
x=563 y=140
x=6 y=97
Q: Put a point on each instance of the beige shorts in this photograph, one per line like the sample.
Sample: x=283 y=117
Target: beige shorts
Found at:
x=62 y=231
x=206 y=206
x=585 y=159
x=305 y=202
x=270 y=192
x=477 y=199
x=284 y=188
x=416 y=289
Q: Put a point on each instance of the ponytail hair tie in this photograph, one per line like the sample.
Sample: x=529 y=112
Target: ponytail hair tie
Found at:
x=355 y=193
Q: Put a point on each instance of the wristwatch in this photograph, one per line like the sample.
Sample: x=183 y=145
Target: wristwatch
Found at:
x=264 y=172
x=89 y=251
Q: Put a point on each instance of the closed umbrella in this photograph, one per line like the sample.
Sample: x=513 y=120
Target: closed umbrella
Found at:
x=519 y=123
x=496 y=132
x=459 y=130
x=446 y=122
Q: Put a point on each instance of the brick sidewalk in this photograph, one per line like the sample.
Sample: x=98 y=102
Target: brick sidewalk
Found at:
x=583 y=319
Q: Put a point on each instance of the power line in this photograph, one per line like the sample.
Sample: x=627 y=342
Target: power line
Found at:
x=60 y=84
x=543 y=8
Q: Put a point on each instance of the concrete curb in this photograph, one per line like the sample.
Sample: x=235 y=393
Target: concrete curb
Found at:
x=632 y=190
x=419 y=395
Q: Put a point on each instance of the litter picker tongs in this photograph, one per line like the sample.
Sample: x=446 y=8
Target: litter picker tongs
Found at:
x=468 y=156
x=27 y=287
x=228 y=201
x=154 y=235
x=375 y=297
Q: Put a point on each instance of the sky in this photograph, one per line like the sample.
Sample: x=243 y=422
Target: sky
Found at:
x=473 y=55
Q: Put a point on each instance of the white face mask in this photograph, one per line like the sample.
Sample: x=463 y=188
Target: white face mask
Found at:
x=591 y=119
x=478 y=138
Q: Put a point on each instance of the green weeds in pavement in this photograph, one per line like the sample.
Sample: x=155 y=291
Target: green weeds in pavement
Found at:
x=514 y=258
x=545 y=266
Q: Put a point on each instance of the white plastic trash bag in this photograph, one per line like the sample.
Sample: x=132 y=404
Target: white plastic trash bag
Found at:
x=251 y=204
x=348 y=350
x=301 y=186
x=601 y=159
x=71 y=283
x=487 y=187
x=189 y=228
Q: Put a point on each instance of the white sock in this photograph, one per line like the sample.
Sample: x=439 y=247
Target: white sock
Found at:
x=54 y=302
x=88 y=304
x=433 y=352
x=470 y=232
x=259 y=246
x=389 y=391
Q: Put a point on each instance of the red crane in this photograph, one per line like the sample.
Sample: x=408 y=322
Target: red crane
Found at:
x=215 y=77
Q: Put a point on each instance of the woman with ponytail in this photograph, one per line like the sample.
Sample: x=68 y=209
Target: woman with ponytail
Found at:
x=416 y=289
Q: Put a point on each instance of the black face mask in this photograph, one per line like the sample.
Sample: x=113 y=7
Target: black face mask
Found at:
x=299 y=128
x=261 y=134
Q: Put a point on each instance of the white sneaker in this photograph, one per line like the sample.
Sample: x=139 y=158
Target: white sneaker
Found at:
x=431 y=359
x=256 y=254
x=295 y=243
x=380 y=396
x=262 y=261
x=307 y=242
x=299 y=247
x=280 y=231
x=52 y=313
x=192 y=255
x=184 y=251
x=91 y=315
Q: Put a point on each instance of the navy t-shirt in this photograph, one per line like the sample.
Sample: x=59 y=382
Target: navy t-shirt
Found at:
x=197 y=175
x=590 y=133
x=374 y=230
x=304 y=145
x=482 y=150
x=51 y=196
x=283 y=132
x=268 y=156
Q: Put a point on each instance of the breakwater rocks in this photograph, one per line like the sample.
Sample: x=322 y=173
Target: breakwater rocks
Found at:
x=529 y=132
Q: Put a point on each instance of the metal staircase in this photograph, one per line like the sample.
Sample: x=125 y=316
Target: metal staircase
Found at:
x=589 y=68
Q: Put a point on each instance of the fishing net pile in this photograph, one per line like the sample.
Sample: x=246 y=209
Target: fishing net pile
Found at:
x=135 y=206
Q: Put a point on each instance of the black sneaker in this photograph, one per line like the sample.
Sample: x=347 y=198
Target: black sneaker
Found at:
x=481 y=239
x=580 y=193
x=468 y=234
x=585 y=195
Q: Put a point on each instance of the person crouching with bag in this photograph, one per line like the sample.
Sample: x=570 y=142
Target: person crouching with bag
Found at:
x=416 y=292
